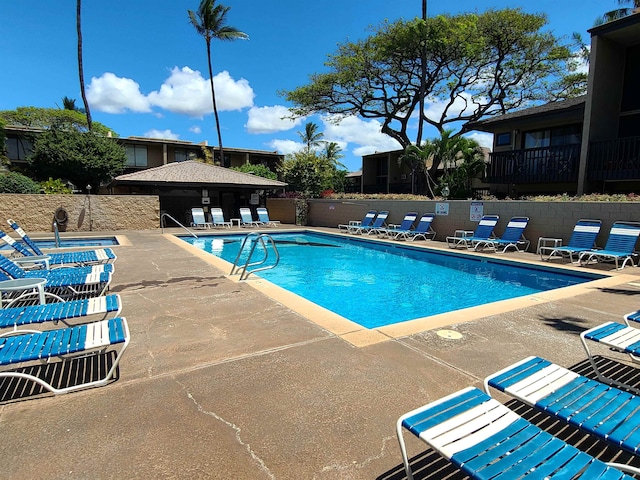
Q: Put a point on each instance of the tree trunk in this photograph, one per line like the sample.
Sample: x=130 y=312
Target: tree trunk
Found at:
x=80 y=65
x=215 y=107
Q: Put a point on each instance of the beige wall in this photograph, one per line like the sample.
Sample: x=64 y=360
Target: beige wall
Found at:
x=546 y=219
x=85 y=213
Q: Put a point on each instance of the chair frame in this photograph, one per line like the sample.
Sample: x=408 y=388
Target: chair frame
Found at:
x=486 y=222
x=583 y=238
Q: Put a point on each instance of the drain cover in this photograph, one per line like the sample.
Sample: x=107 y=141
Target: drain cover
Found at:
x=451 y=334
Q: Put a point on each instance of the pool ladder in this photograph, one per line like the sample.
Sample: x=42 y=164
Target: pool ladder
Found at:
x=261 y=238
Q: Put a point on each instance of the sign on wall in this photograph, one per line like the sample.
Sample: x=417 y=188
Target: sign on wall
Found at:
x=442 y=209
x=476 y=210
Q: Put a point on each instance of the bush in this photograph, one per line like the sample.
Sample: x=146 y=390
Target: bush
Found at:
x=13 y=182
x=52 y=186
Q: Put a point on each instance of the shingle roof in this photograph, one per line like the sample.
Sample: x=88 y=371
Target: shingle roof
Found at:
x=533 y=111
x=197 y=172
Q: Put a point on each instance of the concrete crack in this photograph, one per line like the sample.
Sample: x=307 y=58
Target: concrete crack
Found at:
x=357 y=465
x=237 y=430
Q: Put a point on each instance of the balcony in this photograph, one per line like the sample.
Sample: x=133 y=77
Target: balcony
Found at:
x=614 y=160
x=535 y=165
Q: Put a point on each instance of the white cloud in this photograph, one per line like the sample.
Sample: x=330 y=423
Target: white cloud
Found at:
x=195 y=129
x=365 y=133
x=164 y=134
x=187 y=92
x=112 y=94
x=463 y=101
x=270 y=120
x=484 y=139
x=286 y=147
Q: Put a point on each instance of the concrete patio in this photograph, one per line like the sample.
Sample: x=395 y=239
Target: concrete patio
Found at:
x=221 y=381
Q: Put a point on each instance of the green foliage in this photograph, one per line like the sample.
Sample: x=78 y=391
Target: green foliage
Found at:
x=53 y=186
x=14 y=182
x=475 y=65
x=3 y=143
x=81 y=157
x=310 y=174
x=45 y=118
x=259 y=170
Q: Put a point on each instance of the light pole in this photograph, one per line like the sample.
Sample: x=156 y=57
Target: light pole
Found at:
x=89 y=198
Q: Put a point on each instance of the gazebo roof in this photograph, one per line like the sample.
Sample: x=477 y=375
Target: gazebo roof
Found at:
x=198 y=173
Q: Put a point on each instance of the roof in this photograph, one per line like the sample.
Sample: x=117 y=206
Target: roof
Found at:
x=192 y=172
x=540 y=110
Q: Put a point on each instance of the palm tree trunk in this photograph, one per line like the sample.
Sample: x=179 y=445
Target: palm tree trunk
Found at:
x=215 y=106
x=80 y=65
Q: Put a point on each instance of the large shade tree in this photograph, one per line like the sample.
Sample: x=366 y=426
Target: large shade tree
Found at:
x=210 y=21
x=475 y=66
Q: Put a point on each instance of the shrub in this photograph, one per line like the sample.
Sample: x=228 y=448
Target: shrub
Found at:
x=13 y=182
x=52 y=186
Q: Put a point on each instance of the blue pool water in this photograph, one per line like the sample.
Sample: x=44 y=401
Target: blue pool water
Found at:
x=376 y=284
x=71 y=242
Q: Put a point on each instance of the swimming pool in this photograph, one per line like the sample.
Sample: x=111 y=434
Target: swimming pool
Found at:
x=376 y=284
x=71 y=242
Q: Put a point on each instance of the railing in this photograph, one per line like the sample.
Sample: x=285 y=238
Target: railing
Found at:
x=535 y=165
x=259 y=240
x=177 y=222
x=614 y=159
x=56 y=234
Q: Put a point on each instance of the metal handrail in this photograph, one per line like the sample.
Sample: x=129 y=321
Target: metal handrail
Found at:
x=167 y=215
x=244 y=270
x=56 y=234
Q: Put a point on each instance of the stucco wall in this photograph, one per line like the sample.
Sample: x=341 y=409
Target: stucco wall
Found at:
x=547 y=219
x=85 y=213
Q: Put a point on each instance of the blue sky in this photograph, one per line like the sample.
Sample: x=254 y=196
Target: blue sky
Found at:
x=146 y=71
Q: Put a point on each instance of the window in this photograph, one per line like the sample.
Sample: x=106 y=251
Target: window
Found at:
x=18 y=148
x=503 y=139
x=182 y=155
x=136 y=155
x=553 y=137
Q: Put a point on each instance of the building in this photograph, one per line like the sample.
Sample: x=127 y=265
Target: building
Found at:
x=582 y=145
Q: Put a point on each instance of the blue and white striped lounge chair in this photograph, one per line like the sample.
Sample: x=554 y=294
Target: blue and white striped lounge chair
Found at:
x=61 y=287
x=365 y=222
x=217 y=218
x=583 y=238
x=14 y=270
x=424 y=230
x=513 y=237
x=246 y=218
x=483 y=231
x=487 y=440
x=620 y=246
x=263 y=216
x=603 y=411
x=81 y=340
x=376 y=227
x=35 y=257
x=401 y=230
x=17 y=317
x=199 y=219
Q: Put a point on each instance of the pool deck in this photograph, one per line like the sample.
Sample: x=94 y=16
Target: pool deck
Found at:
x=223 y=381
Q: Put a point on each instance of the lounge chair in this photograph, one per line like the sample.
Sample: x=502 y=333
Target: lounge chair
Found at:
x=401 y=230
x=487 y=440
x=513 y=237
x=14 y=270
x=81 y=340
x=365 y=222
x=36 y=258
x=483 y=231
x=583 y=238
x=217 y=218
x=199 y=219
x=61 y=287
x=378 y=225
x=617 y=337
x=246 y=219
x=620 y=246
x=263 y=216
x=15 y=317
x=423 y=230
x=598 y=409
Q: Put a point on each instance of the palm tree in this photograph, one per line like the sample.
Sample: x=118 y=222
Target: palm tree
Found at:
x=332 y=154
x=311 y=137
x=210 y=21
x=87 y=112
x=634 y=5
